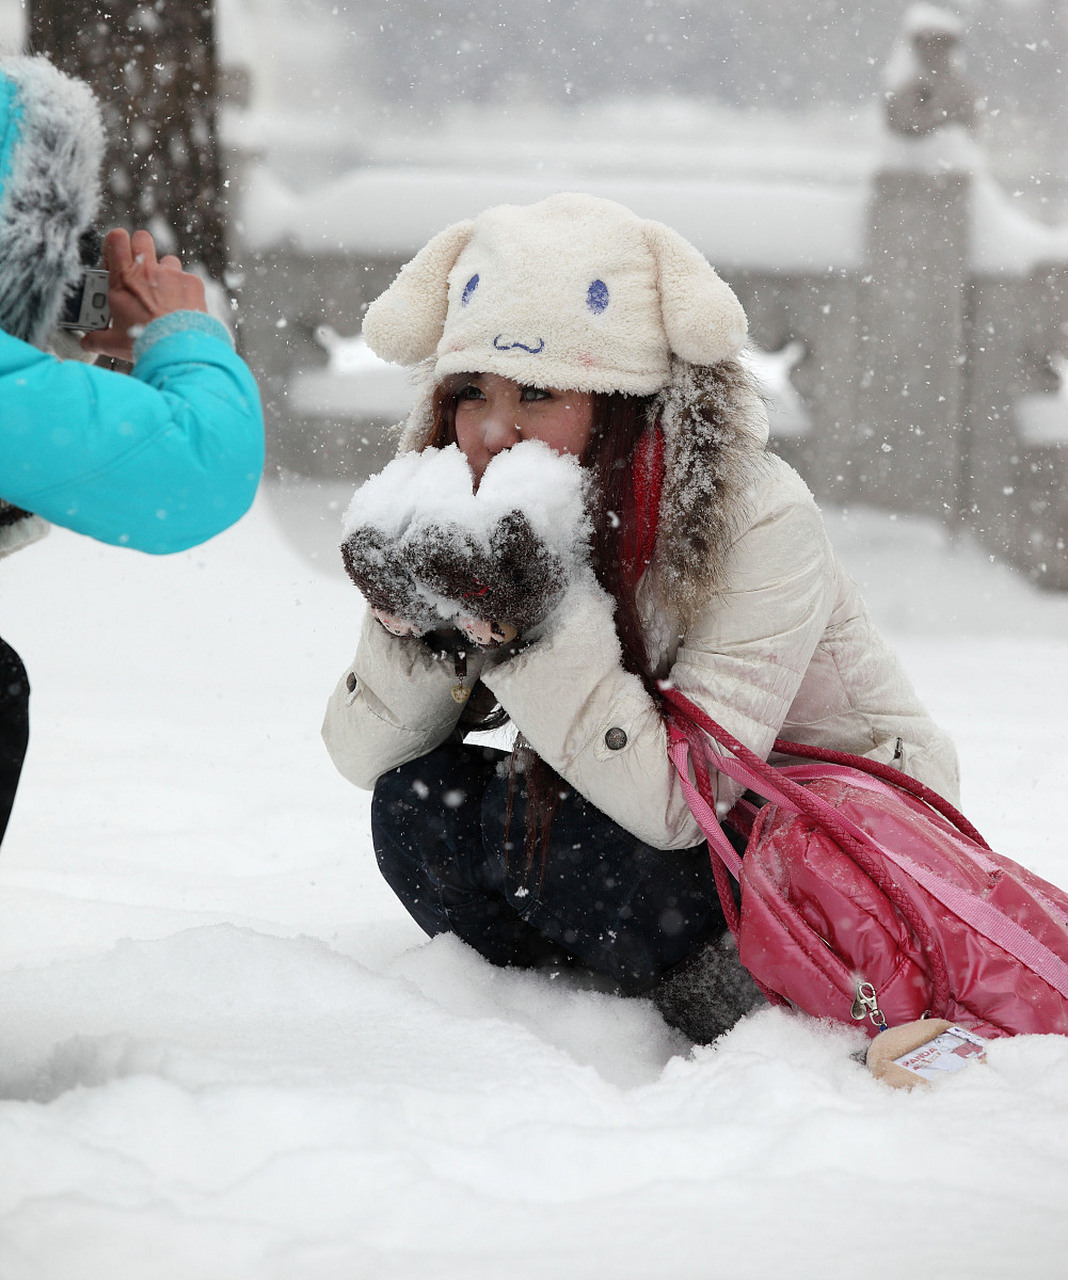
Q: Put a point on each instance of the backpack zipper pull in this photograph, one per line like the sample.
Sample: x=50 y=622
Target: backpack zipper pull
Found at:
x=866 y=1005
x=461 y=691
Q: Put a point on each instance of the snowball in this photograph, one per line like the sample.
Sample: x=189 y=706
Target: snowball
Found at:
x=435 y=481
x=548 y=487
x=436 y=488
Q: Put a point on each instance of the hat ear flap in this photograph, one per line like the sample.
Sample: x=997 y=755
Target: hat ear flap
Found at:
x=703 y=320
x=404 y=324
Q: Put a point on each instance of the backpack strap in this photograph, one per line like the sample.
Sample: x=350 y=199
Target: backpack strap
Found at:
x=887 y=773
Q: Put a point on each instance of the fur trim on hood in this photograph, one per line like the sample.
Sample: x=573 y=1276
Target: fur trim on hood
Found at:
x=715 y=427
x=51 y=147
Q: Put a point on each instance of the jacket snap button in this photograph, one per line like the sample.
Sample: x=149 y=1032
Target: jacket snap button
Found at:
x=350 y=682
x=615 y=739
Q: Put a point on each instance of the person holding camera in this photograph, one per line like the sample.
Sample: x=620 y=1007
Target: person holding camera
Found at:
x=158 y=461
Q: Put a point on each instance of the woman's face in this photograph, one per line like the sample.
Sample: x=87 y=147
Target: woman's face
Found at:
x=494 y=413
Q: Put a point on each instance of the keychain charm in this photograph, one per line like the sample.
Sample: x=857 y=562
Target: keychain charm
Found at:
x=460 y=691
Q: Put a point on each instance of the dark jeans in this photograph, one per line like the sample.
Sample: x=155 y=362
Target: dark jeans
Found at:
x=14 y=727
x=606 y=900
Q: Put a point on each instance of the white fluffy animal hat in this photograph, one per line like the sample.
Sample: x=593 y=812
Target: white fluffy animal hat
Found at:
x=573 y=292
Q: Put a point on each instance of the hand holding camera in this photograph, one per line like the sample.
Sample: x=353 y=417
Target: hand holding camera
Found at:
x=140 y=288
x=86 y=305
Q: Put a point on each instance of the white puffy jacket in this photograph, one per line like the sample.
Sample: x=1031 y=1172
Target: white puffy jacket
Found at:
x=784 y=647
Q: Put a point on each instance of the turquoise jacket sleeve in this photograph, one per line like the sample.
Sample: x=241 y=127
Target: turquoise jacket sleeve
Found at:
x=161 y=460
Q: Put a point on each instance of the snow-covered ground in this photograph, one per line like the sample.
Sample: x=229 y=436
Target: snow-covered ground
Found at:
x=226 y=1052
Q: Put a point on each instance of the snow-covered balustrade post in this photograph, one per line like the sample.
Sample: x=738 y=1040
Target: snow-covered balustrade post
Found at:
x=961 y=408
x=1016 y=424
x=911 y=331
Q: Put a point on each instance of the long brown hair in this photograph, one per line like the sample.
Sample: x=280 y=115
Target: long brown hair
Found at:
x=618 y=422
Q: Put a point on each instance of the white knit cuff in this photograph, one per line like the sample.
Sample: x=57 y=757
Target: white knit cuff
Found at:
x=179 y=322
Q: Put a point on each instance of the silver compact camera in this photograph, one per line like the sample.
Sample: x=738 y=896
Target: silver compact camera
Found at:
x=86 y=306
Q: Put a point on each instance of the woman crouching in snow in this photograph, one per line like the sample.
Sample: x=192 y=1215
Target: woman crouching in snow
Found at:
x=583 y=507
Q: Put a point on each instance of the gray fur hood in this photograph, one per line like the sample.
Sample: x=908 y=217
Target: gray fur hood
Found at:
x=51 y=146
x=715 y=427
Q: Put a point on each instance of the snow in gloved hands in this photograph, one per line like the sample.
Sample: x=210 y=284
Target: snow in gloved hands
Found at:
x=377 y=518
x=422 y=544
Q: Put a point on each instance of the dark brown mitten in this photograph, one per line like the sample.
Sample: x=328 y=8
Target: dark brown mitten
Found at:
x=527 y=580
x=516 y=580
x=442 y=557
x=375 y=563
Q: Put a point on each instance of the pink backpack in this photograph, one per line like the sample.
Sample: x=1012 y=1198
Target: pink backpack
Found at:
x=865 y=896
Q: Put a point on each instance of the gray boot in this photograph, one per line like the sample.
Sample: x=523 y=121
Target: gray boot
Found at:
x=707 y=994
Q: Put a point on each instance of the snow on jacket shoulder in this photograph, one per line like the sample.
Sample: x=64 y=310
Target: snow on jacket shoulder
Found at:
x=159 y=461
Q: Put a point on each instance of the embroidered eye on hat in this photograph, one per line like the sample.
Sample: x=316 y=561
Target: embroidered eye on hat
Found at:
x=574 y=292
